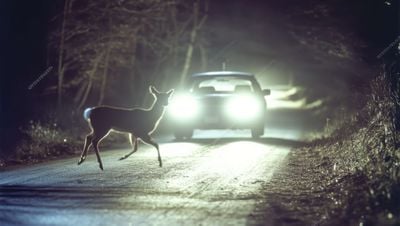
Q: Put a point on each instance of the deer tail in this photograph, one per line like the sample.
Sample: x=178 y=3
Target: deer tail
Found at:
x=86 y=113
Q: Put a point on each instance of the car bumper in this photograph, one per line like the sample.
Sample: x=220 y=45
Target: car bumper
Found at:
x=217 y=122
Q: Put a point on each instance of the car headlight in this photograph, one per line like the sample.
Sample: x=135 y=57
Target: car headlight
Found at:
x=243 y=108
x=183 y=107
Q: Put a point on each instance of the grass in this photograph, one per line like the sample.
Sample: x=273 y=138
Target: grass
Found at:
x=349 y=177
x=359 y=162
x=43 y=141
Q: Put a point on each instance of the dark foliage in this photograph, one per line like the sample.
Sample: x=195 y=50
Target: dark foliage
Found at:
x=361 y=158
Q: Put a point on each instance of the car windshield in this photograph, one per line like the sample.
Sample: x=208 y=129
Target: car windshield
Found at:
x=223 y=85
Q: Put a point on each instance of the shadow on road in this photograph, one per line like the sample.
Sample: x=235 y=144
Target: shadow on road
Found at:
x=17 y=201
x=56 y=193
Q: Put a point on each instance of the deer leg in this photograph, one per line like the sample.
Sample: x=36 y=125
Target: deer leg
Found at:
x=95 y=142
x=147 y=139
x=96 y=150
x=88 y=143
x=134 y=143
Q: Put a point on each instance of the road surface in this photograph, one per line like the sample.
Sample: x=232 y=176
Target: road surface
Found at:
x=215 y=179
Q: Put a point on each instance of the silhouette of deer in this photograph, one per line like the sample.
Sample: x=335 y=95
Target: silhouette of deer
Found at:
x=139 y=123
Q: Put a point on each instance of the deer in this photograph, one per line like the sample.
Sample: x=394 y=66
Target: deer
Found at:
x=139 y=123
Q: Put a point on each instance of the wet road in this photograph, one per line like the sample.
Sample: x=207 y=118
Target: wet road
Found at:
x=206 y=181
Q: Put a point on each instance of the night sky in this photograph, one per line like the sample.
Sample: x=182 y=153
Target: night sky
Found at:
x=256 y=30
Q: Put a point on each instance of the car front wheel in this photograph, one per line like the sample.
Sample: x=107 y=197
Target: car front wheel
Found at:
x=183 y=134
x=257 y=132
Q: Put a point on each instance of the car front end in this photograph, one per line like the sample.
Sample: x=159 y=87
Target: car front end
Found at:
x=205 y=105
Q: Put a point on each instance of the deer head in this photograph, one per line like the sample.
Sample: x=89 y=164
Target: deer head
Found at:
x=161 y=97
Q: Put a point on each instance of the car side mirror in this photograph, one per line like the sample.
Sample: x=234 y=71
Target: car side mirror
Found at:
x=266 y=92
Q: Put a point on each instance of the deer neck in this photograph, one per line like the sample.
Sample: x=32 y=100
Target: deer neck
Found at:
x=157 y=110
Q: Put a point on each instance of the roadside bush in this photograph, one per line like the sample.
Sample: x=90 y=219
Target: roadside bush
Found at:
x=43 y=141
x=362 y=161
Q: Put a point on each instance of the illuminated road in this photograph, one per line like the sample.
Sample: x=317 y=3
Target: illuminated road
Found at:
x=206 y=181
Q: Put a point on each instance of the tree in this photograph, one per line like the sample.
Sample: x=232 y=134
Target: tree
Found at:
x=196 y=25
x=99 y=42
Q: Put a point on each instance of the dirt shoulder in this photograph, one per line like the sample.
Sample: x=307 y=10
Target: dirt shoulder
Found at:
x=308 y=190
x=294 y=195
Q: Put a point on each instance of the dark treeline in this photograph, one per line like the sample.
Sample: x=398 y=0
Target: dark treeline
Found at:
x=62 y=56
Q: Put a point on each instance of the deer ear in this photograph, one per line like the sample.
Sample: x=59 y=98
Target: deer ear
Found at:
x=153 y=90
x=170 y=92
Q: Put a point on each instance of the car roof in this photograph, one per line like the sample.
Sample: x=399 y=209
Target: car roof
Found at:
x=222 y=73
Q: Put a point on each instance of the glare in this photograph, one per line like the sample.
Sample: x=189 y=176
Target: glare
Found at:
x=235 y=155
x=184 y=106
x=236 y=158
x=235 y=164
x=243 y=107
x=179 y=149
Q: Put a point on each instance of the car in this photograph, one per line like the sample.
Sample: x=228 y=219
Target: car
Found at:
x=219 y=100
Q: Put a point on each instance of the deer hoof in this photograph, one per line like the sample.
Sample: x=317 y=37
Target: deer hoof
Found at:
x=81 y=160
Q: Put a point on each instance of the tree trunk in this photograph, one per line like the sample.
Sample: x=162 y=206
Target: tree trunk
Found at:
x=79 y=94
x=107 y=59
x=61 y=68
x=90 y=82
x=193 y=35
x=104 y=81
x=189 y=52
x=204 y=58
x=86 y=94
x=135 y=73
